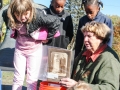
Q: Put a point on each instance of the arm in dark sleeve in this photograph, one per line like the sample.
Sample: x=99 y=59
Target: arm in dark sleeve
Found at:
x=79 y=40
x=69 y=31
x=5 y=17
x=51 y=22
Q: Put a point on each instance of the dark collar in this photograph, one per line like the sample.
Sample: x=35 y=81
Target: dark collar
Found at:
x=52 y=11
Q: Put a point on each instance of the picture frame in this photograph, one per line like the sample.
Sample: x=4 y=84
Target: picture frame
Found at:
x=59 y=64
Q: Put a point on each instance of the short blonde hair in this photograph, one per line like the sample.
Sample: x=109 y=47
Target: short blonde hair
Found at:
x=19 y=7
x=101 y=30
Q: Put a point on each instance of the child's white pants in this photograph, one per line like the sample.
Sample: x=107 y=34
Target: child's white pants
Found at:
x=29 y=64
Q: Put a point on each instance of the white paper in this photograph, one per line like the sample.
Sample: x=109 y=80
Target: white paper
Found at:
x=52 y=75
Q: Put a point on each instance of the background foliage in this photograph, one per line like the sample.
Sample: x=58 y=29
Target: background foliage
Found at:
x=5 y=2
x=74 y=7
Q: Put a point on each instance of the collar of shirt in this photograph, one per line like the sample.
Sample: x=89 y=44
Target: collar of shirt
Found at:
x=94 y=56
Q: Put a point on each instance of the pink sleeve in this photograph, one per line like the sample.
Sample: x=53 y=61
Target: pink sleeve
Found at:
x=57 y=34
x=13 y=33
x=42 y=33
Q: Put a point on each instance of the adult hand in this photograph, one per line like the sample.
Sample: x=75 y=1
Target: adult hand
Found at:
x=67 y=82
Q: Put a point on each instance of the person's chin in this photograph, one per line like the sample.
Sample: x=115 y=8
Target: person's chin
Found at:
x=58 y=12
x=88 y=48
x=24 y=21
x=90 y=18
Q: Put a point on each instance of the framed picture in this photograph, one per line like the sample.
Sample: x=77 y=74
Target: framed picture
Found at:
x=59 y=64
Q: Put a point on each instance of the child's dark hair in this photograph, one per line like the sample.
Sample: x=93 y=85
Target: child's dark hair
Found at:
x=53 y=1
x=90 y=2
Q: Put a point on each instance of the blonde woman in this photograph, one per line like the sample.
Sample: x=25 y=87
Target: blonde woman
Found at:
x=98 y=65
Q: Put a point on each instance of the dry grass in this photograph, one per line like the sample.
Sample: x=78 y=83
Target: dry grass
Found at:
x=7 y=78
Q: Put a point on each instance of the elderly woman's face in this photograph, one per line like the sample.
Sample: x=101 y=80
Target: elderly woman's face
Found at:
x=91 y=42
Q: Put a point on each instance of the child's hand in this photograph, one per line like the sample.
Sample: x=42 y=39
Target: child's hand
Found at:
x=44 y=41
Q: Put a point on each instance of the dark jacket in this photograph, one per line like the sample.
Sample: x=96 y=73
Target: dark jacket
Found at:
x=102 y=74
x=41 y=20
x=66 y=29
x=99 y=18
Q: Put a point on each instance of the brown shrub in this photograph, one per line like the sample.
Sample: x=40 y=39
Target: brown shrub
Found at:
x=116 y=41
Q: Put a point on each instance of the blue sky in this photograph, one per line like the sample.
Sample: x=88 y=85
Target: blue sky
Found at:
x=110 y=7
